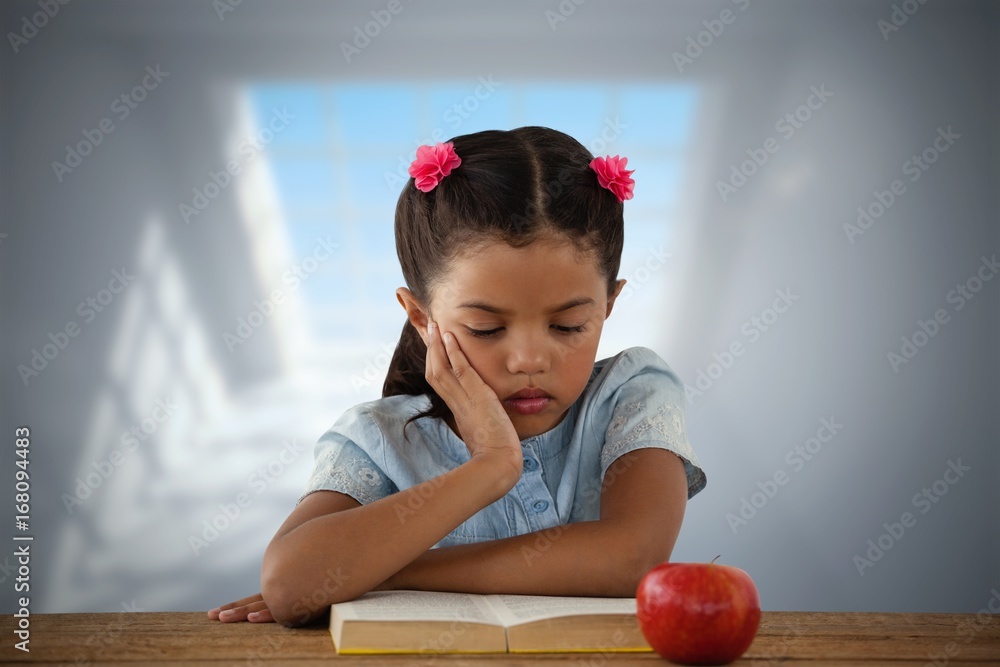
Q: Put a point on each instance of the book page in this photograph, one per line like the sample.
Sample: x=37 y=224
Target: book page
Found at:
x=517 y=609
x=403 y=605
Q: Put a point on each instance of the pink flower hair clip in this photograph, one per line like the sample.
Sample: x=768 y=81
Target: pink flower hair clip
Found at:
x=432 y=164
x=611 y=174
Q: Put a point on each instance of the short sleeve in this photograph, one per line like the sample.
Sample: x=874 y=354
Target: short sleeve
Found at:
x=342 y=465
x=648 y=411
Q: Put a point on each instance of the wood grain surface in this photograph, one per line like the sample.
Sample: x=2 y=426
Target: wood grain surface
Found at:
x=830 y=639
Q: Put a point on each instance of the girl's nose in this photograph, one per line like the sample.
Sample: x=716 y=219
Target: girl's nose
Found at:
x=527 y=356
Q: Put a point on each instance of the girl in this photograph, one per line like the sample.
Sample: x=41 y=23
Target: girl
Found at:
x=487 y=465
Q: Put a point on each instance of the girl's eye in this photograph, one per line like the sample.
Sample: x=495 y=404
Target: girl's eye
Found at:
x=484 y=333
x=489 y=333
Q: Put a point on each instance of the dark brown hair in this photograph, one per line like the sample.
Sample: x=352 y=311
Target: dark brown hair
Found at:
x=512 y=186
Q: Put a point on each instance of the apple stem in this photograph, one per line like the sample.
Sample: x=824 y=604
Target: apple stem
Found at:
x=714 y=559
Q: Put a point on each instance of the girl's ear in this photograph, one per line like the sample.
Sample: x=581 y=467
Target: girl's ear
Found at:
x=414 y=312
x=618 y=290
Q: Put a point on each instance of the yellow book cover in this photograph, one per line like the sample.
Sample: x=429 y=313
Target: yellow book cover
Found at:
x=405 y=621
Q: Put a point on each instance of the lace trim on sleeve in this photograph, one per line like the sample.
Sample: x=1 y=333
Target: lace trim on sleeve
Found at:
x=666 y=424
x=340 y=475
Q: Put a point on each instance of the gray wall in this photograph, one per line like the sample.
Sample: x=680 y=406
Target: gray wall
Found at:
x=825 y=358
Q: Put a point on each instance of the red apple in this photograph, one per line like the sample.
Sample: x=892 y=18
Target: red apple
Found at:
x=698 y=613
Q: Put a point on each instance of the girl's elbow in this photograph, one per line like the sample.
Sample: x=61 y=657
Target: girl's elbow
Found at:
x=284 y=609
x=287 y=607
x=277 y=589
x=293 y=600
x=291 y=610
x=647 y=557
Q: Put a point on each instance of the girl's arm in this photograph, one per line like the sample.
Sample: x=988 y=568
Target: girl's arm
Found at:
x=643 y=499
x=332 y=549
x=322 y=556
x=642 y=506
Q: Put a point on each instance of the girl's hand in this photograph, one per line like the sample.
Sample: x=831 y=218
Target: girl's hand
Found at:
x=252 y=609
x=482 y=422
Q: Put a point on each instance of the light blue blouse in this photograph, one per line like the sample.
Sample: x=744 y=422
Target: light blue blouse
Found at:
x=632 y=400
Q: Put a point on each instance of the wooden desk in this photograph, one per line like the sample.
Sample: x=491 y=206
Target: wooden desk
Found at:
x=190 y=638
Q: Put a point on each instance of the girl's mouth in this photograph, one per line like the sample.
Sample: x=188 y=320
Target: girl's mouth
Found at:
x=528 y=406
x=528 y=400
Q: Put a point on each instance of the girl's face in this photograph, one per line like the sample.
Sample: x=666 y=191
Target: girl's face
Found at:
x=525 y=318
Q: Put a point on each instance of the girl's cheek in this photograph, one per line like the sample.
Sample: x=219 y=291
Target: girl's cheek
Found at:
x=480 y=354
x=583 y=342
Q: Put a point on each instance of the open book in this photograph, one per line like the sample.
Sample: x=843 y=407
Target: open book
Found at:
x=404 y=621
